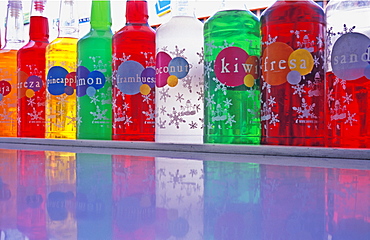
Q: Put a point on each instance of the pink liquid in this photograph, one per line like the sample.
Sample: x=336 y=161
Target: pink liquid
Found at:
x=134 y=113
x=293 y=114
x=31 y=81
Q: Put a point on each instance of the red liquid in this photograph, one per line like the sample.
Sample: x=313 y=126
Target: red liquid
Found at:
x=347 y=108
x=293 y=114
x=31 y=194
x=134 y=197
x=32 y=96
x=134 y=42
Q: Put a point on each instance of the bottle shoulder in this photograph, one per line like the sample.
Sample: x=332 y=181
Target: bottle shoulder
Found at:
x=178 y=23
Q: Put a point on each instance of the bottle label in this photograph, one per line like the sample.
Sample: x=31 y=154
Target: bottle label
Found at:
x=88 y=82
x=350 y=57
x=5 y=88
x=169 y=71
x=133 y=78
x=28 y=85
x=59 y=81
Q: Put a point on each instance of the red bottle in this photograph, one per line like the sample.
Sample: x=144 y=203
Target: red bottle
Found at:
x=134 y=76
x=31 y=76
x=292 y=65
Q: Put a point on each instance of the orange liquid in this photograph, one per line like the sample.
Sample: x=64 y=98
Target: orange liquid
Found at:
x=8 y=91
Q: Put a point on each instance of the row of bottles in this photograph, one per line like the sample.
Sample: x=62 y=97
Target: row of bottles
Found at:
x=237 y=79
x=62 y=195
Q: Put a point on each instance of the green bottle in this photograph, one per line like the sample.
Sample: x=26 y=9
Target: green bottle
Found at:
x=232 y=47
x=94 y=76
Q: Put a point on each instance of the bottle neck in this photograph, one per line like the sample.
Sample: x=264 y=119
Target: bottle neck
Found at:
x=14 y=26
x=100 y=15
x=39 y=26
x=233 y=5
x=136 y=12
x=68 y=22
x=181 y=8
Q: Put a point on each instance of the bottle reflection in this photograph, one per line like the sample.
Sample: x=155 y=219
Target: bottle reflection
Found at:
x=134 y=197
x=179 y=198
x=8 y=191
x=293 y=202
x=94 y=196
x=231 y=199
x=348 y=204
x=61 y=194
x=31 y=194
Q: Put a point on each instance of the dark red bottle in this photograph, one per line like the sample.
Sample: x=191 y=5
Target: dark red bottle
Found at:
x=134 y=76
x=292 y=65
x=31 y=76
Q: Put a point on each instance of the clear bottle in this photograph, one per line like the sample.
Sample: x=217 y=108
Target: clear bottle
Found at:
x=293 y=39
x=347 y=89
x=61 y=57
x=134 y=76
x=31 y=75
x=232 y=49
x=94 y=76
x=179 y=77
x=8 y=69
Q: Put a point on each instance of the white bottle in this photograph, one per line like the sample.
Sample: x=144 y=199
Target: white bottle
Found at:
x=179 y=77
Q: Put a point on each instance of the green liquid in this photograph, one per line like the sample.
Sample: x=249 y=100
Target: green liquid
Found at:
x=95 y=53
x=241 y=121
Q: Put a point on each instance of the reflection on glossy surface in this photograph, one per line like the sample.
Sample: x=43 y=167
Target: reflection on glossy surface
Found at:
x=60 y=195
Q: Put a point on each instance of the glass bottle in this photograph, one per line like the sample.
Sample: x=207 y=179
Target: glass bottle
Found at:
x=61 y=57
x=134 y=76
x=179 y=77
x=8 y=69
x=31 y=76
x=347 y=89
x=94 y=76
x=231 y=81
x=293 y=73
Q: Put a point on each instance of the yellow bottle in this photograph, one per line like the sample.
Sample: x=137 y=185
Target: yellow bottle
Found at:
x=61 y=57
x=8 y=69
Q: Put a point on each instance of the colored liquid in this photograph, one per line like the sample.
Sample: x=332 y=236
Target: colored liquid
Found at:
x=31 y=194
x=231 y=109
x=292 y=86
x=8 y=93
x=94 y=108
x=61 y=98
x=347 y=88
x=133 y=106
x=180 y=104
x=31 y=81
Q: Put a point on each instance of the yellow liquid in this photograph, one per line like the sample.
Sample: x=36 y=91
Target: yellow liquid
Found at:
x=8 y=103
x=61 y=109
x=61 y=194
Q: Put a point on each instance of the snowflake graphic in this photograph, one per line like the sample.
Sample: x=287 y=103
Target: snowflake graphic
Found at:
x=147 y=98
x=150 y=114
x=226 y=45
x=228 y=103
x=6 y=115
x=161 y=124
x=193 y=125
x=164 y=94
x=266 y=86
x=127 y=121
x=163 y=110
x=347 y=99
x=274 y=119
x=330 y=96
x=31 y=102
x=176 y=178
x=180 y=97
x=342 y=82
x=220 y=86
x=305 y=110
x=186 y=83
x=297 y=32
x=209 y=100
x=175 y=118
x=178 y=53
x=346 y=29
x=78 y=120
x=35 y=115
x=209 y=46
x=298 y=89
x=230 y=119
x=351 y=118
x=99 y=114
x=270 y=40
x=271 y=101
x=201 y=56
x=125 y=106
x=316 y=61
x=62 y=99
x=94 y=99
x=208 y=68
x=200 y=94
